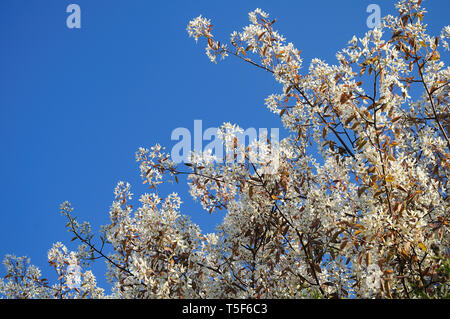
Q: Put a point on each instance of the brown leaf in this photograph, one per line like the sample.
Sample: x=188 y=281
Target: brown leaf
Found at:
x=345 y=97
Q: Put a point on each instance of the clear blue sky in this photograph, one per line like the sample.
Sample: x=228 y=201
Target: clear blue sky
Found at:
x=75 y=105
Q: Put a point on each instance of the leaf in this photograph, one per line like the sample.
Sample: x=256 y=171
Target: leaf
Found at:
x=315 y=223
x=422 y=246
x=402 y=188
x=435 y=56
x=261 y=35
x=288 y=89
x=405 y=20
x=361 y=190
x=361 y=72
x=361 y=144
x=345 y=97
x=317 y=268
x=378 y=193
x=397 y=33
x=395 y=119
x=350 y=119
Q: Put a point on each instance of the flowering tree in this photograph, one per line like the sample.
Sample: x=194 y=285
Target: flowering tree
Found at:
x=363 y=215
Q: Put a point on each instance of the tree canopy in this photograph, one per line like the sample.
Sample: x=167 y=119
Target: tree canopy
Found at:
x=352 y=203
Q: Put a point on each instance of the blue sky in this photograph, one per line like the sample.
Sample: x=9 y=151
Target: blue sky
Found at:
x=75 y=104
